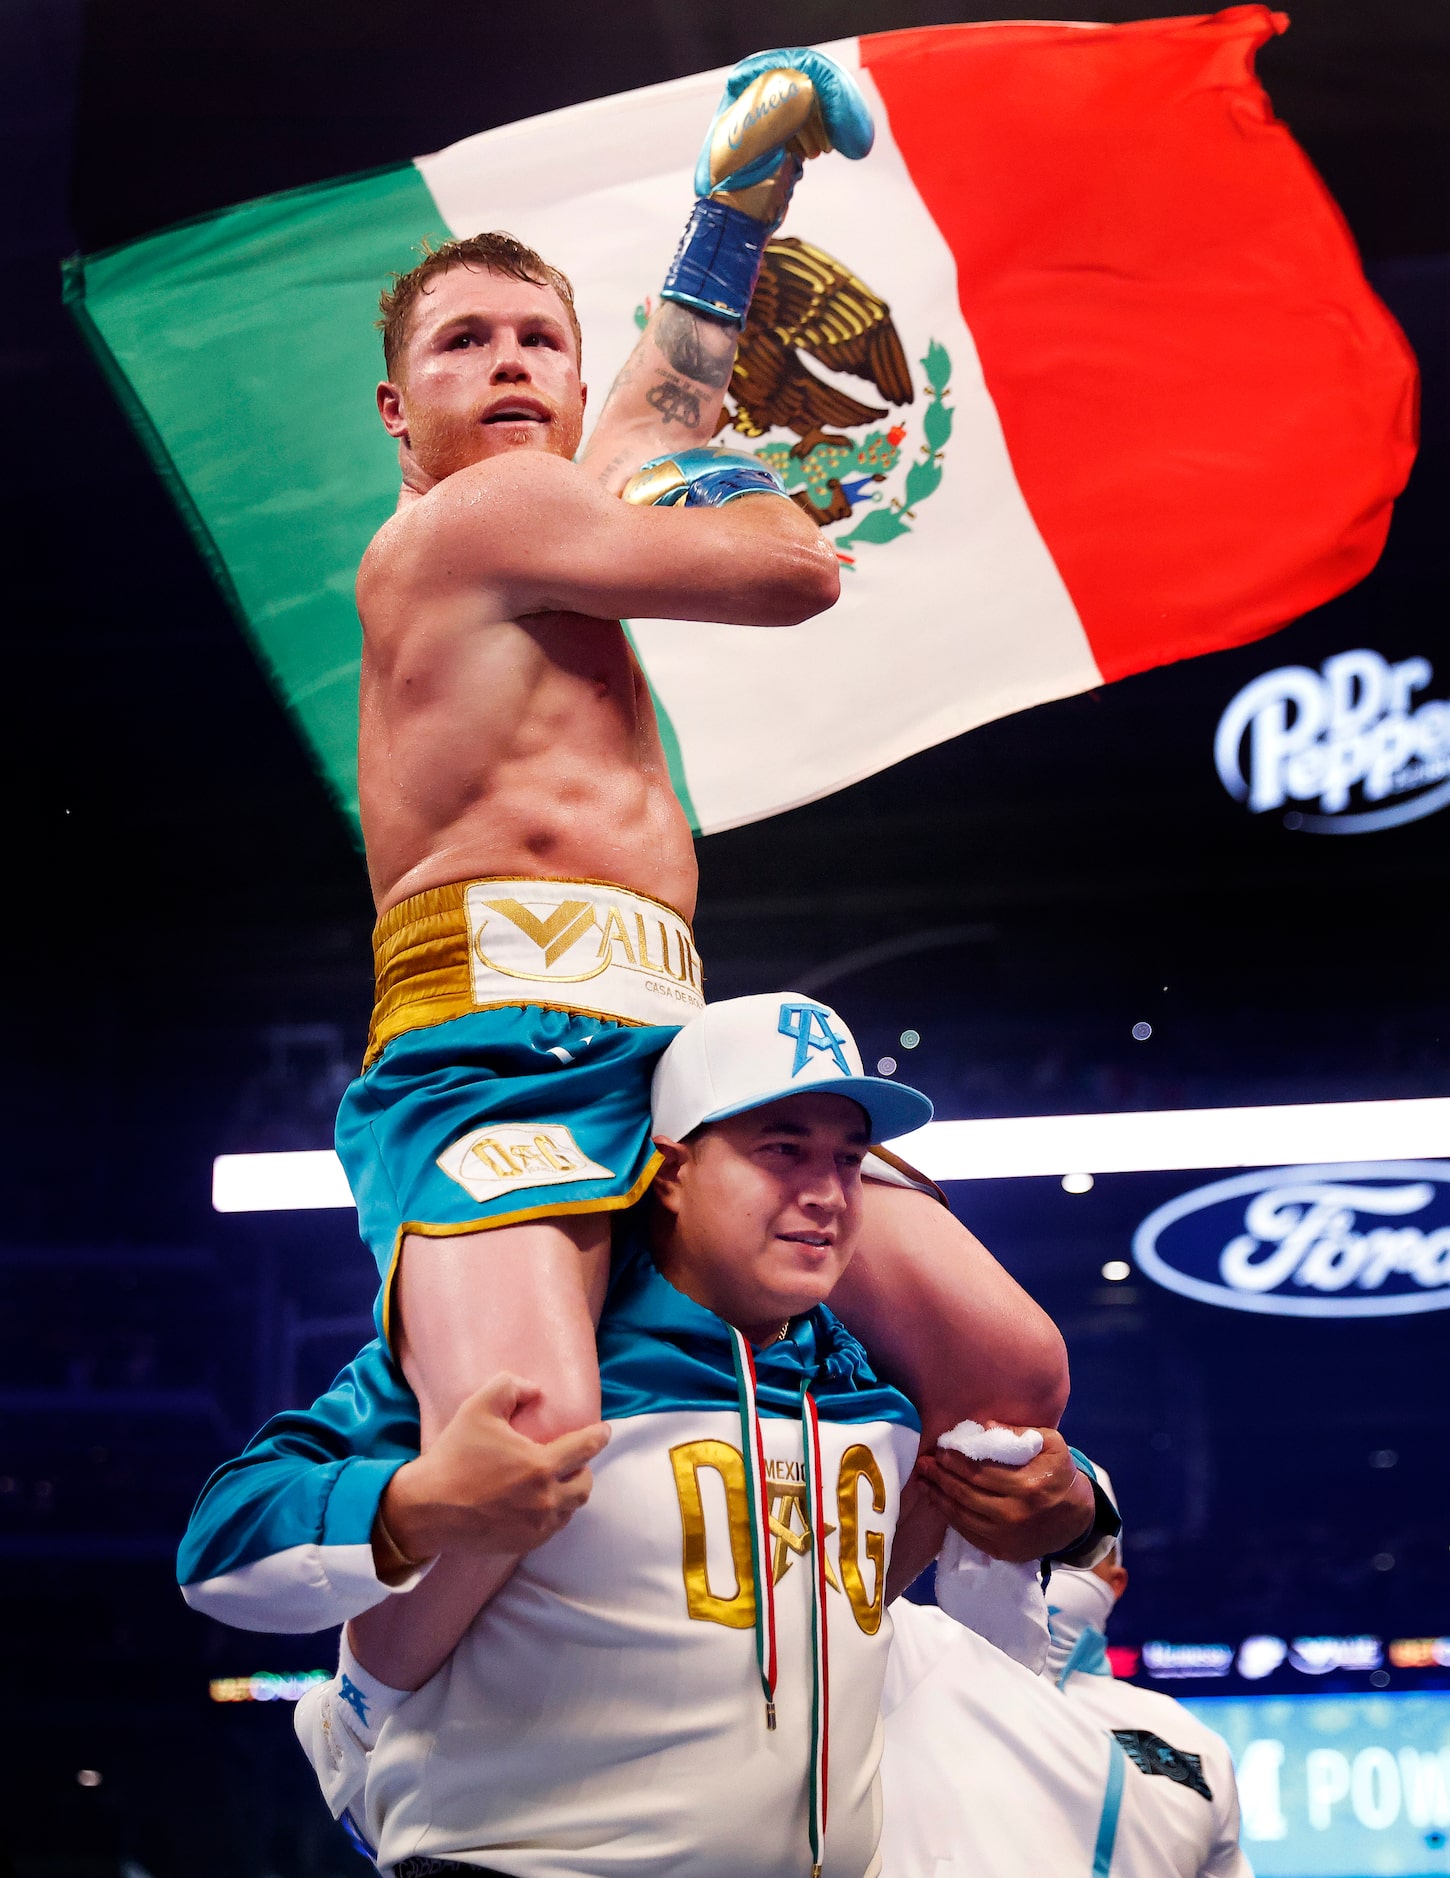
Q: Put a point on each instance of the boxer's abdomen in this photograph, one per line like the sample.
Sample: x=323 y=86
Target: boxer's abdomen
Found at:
x=526 y=748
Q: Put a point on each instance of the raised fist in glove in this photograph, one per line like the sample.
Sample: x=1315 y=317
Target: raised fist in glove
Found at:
x=779 y=109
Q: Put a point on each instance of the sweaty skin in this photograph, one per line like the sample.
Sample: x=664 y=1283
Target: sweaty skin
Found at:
x=506 y=728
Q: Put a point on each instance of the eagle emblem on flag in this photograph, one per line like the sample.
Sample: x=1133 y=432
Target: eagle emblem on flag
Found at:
x=808 y=305
x=807 y=302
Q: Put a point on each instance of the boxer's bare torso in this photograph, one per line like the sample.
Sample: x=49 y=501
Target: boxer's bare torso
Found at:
x=520 y=748
x=506 y=730
x=506 y=727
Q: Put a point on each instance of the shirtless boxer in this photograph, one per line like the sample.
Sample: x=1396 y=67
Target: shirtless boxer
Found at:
x=533 y=872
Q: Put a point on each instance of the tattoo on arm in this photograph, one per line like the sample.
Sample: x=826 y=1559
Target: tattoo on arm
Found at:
x=675 y=401
x=699 y=348
x=620 y=460
x=699 y=356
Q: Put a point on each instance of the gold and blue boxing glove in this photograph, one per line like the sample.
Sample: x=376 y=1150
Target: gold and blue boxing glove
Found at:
x=700 y=479
x=779 y=108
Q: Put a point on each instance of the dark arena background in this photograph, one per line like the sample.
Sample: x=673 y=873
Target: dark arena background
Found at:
x=1061 y=913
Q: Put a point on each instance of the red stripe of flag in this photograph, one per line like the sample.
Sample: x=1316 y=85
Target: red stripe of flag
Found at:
x=1208 y=410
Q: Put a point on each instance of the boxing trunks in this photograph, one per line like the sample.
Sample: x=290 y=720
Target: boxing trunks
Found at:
x=516 y=1029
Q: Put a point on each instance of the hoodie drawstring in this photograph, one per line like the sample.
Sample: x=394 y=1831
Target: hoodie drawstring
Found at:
x=752 y=1445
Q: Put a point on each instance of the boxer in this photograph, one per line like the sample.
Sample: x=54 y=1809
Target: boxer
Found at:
x=533 y=871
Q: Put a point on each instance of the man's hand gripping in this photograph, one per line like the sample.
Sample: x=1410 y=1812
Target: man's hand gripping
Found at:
x=482 y=1487
x=1019 y=1512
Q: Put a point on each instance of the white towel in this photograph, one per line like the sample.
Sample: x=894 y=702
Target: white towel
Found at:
x=1000 y=1601
x=1005 y=1445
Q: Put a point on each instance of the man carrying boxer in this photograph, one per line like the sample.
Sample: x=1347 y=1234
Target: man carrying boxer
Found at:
x=533 y=872
x=719 y=1603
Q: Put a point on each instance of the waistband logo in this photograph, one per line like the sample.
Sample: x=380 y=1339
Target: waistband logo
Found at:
x=535 y=942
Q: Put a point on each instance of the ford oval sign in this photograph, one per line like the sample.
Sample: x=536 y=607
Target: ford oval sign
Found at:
x=1370 y=1239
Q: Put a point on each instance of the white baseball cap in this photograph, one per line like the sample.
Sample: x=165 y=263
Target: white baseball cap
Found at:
x=744 y=1052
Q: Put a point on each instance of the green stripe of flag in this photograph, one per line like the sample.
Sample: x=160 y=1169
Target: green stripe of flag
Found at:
x=244 y=349
x=669 y=742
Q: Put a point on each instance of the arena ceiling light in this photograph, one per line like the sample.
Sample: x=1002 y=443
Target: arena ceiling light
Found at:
x=1162 y=1140
x=1017 y=1147
x=278 y=1183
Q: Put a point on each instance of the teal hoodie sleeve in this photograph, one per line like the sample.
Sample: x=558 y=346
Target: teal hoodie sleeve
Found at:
x=281 y=1537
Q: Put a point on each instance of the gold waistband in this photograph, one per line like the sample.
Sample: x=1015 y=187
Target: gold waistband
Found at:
x=583 y=946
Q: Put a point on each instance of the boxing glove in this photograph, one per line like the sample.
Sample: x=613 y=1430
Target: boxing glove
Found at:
x=700 y=479
x=779 y=109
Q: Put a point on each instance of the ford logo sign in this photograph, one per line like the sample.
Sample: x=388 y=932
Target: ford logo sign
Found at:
x=1368 y=1239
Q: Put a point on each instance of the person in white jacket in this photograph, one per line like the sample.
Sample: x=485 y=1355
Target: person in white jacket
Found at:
x=1045 y=1763
x=1188 y=1770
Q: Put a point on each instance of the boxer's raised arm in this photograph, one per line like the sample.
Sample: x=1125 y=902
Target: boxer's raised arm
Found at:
x=779 y=108
x=538 y=535
x=668 y=395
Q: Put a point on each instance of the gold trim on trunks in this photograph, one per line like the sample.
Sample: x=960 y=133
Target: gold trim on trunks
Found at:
x=583 y=946
x=549 y=1209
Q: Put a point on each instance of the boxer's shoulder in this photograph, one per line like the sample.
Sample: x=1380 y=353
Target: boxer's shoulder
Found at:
x=472 y=522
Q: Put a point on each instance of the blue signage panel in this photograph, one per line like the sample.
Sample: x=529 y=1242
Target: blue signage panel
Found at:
x=1359 y=1239
x=1346 y=1786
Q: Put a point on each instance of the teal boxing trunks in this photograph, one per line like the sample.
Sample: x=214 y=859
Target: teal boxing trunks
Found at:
x=507 y=1076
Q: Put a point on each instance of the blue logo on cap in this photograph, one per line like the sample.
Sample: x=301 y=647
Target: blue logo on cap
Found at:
x=811 y=1027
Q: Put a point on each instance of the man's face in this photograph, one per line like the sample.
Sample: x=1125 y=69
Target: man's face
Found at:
x=766 y=1209
x=489 y=366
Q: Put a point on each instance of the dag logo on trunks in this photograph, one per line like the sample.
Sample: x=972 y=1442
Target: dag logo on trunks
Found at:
x=493 y=1161
x=809 y=305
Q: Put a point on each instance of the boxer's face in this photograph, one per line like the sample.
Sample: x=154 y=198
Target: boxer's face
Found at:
x=490 y=366
x=764 y=1209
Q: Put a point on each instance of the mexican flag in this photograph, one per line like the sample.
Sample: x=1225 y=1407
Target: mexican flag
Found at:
x=1149 y=405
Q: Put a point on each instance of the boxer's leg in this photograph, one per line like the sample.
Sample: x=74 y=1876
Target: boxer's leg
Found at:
x=945 y=1322
x=520 y=1298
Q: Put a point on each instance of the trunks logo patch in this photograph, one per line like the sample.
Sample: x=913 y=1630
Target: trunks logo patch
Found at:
x=1151 y=1754
x=557 y=935
x=511 y=1156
